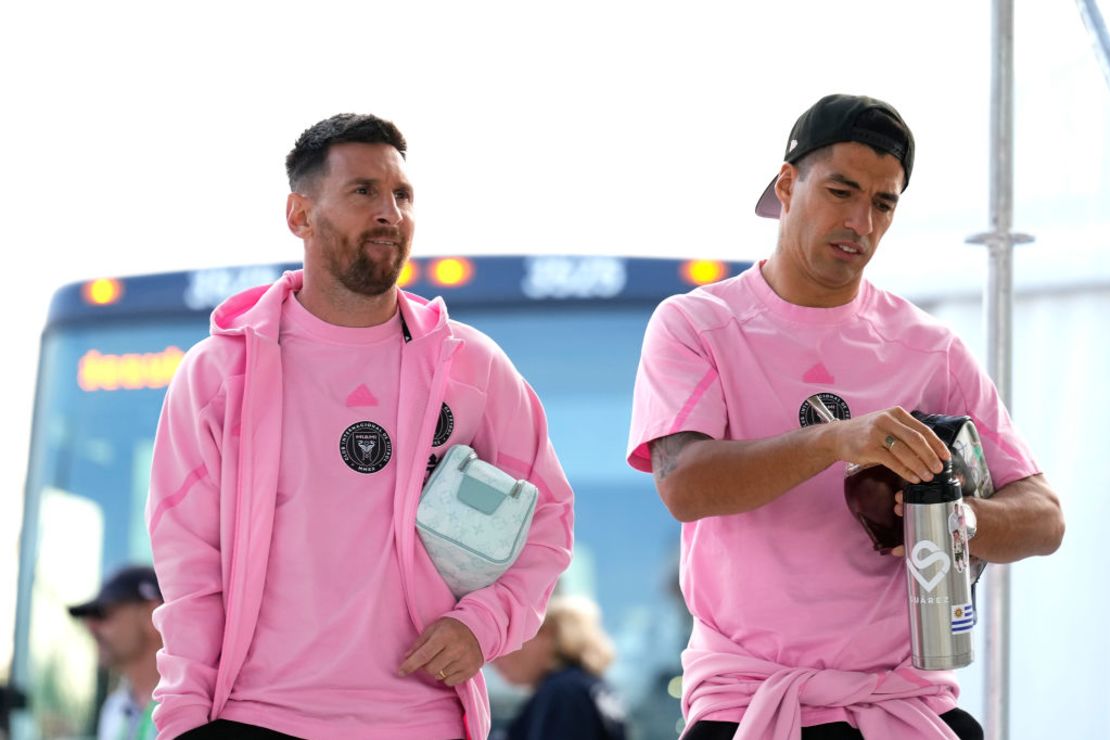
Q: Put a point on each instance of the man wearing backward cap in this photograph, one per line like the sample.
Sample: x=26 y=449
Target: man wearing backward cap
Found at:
x=800 y=629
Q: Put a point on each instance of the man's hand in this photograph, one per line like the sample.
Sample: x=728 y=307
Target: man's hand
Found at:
x=892 y=438
x=697 y=476
x=447 y=651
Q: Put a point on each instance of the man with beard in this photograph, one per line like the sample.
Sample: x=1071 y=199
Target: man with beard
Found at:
x=800 y=629
x=288 y=464
x=119 y=619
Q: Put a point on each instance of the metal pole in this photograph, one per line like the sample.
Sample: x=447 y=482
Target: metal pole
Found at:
x=998 y=310
x=1093 y=20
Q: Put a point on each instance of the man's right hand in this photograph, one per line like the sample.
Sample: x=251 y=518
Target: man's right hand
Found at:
x=698 y=476
x=893 y=438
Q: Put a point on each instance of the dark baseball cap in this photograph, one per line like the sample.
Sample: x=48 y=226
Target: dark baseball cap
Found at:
x=837 y=118
x=130 y=585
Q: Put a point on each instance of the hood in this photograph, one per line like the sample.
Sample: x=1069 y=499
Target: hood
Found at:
x=259 y=309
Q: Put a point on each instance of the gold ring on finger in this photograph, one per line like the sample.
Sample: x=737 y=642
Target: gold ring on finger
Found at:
x=889 y=442
x=441 y=675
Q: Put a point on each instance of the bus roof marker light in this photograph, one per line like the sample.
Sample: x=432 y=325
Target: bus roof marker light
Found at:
x=102 y=291
x=451 y=272
x=410 y=273
x=702 y=272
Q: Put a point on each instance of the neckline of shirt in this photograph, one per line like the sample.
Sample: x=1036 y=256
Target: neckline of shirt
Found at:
x=806 y=314
x=302 y=321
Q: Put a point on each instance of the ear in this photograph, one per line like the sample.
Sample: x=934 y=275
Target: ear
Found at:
x=784 y=187
x=296 y=214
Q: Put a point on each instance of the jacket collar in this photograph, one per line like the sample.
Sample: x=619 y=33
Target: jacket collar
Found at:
x=259 y=310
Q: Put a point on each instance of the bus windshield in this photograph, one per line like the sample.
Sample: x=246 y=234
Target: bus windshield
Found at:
x=101 y=389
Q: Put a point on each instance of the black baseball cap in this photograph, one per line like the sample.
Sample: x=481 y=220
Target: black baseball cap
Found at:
x=130 y=585
x=837 y=118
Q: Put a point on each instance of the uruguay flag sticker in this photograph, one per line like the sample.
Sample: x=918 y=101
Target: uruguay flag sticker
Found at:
x=963 y=618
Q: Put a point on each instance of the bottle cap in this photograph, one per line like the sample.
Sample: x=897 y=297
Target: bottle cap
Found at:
x=944 y=487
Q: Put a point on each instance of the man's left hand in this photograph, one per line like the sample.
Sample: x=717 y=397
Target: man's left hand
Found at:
x=447 y=651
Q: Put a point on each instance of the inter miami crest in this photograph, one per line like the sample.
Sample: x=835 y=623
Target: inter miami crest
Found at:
x=834 y=403
x=365 y=447
x=444 y=426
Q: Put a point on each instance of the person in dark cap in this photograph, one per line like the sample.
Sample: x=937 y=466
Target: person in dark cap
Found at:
x=119 y=619
x=799 y=626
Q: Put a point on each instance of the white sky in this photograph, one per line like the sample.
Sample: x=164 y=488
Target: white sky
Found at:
x=145 y=137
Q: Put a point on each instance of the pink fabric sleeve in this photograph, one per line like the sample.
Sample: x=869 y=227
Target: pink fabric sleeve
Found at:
x=183 y=517
x=513 y=436
x=718 y=675
x=973 y=393
x=678 y=388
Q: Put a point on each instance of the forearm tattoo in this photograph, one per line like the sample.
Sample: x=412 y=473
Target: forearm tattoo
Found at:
x=665 y=451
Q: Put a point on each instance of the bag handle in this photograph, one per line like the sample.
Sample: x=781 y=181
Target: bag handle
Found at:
x=467 y=460
x=514 y=492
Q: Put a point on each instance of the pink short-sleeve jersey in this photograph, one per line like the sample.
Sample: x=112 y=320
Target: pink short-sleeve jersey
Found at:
x=796 y=582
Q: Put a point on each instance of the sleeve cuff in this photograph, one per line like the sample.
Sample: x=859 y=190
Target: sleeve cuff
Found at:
x=487 y=640
x=182 y=720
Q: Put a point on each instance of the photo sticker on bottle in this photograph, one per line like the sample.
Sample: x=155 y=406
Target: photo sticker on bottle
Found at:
x=957 y=530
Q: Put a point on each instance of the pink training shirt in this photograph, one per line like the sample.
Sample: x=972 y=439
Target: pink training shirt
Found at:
x=795 y=584
x=333 y=627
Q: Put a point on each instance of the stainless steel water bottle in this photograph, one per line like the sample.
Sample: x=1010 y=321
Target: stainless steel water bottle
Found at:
x=938 y=572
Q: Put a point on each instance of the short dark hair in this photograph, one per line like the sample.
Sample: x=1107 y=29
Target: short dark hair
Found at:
x=309 y=155
x=805 y=164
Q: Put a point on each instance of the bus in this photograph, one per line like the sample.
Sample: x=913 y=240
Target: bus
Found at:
x=572 y=325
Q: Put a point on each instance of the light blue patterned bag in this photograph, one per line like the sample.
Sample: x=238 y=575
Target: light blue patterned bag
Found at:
x=473 y=519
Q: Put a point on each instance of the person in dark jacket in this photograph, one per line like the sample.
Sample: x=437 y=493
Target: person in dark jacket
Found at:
x=564 y=663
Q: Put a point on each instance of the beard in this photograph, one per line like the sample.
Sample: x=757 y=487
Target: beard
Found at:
x=350 y=264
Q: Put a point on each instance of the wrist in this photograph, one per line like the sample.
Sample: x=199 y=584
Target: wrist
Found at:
x=484 y=637
x=825 y=443
x=971 y=517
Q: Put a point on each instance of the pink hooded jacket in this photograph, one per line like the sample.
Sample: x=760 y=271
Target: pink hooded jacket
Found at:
x=214 y=483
